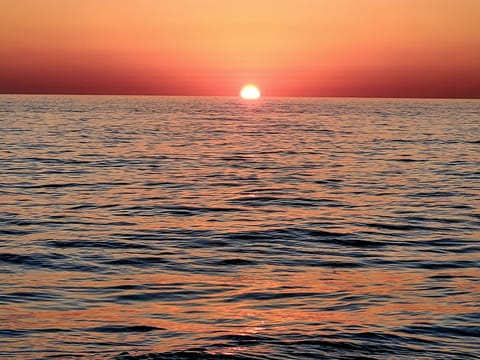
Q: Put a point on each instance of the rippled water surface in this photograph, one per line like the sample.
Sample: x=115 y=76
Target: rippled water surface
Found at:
x=213 y=228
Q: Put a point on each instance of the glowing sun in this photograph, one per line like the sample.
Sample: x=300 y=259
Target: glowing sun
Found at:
x=250 y=92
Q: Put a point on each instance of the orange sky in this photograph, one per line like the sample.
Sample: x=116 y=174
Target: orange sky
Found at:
x=384 y=48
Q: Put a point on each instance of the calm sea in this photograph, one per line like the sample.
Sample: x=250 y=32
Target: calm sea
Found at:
x=215 y=228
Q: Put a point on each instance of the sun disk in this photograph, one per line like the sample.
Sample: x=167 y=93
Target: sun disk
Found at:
x=250 y=92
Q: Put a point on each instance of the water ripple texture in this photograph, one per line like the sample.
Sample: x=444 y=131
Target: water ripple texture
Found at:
x=215 y=228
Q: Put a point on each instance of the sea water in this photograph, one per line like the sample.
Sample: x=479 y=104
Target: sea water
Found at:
x=219 y=228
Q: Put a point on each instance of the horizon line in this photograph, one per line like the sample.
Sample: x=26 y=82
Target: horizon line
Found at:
x=237 y=96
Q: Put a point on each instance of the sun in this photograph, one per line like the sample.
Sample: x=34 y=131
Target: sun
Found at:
x=250 y=92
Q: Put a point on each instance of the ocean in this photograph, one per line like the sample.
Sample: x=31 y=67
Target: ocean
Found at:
x=218 y=228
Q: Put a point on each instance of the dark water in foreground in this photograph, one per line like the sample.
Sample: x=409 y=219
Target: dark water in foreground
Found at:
x=211 y=228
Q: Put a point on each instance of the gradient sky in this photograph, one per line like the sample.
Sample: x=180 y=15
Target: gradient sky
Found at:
x=381 y=48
